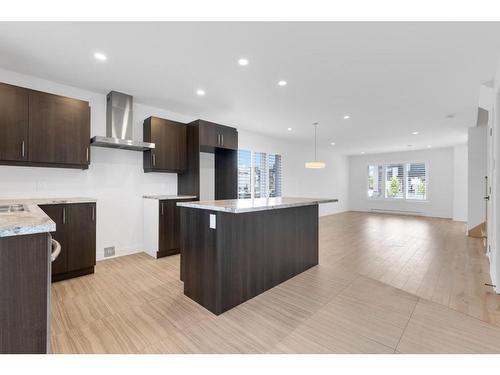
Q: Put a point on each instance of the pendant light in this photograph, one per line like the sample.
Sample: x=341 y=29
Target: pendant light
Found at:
x=316 y=164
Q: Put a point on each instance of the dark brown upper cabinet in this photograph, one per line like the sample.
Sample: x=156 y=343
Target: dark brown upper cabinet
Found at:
x=41 y=129
x=170 y=152
x=13 y=123
x=222 y=141
x=76 y=232
x=216 y=136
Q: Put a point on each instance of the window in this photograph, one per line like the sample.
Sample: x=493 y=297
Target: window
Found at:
x=244 y=174
x=398 y=181
x=394 y=181
x=259 y=175
x=416 y=185
x=274 y=168
x=375 y=180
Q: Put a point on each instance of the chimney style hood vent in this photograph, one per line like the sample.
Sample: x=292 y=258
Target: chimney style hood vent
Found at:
x=120 y=125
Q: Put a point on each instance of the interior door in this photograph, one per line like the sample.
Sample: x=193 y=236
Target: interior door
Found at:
x=13 y=123
x=58 y=213
x=59 y=129
x=82 y=231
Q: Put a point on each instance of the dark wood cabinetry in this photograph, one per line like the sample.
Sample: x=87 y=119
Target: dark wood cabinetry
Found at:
x=213 y=136
x=13 y=123
x=169 y=137
x=76 y=232
x=24 y=294
x=41 y=129
x=222 y=141
x=59 y=130
x=169 y=237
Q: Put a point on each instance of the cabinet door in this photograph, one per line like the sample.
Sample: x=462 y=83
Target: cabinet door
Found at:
x=169 y=228
x=170 y=142
x=229 y=137
x=13 y=123
x=209 y=134
x=59 y=129
x=81 y=232
x=59 y=214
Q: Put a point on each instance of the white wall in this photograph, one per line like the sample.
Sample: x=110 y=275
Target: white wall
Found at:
x=116 y=179
x=440 y=172
x=477 y=157
x=331 y=182
x=460 y=172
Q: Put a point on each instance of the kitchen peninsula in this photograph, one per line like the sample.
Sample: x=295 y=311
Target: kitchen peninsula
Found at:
x=233 y=250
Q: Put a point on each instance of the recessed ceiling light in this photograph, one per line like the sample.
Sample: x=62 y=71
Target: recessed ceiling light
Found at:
x=362 y=152
x=100 y=56
x=200 y=92
x=243 y=62
x=429 y=146
x=347 y=117
x=333 y=143
x=282 y=83
x=289 y=129
x=414 y=133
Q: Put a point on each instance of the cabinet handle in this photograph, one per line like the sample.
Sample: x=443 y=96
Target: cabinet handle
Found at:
x=154 y=159
x=222 y=140
x=93 y=213
x=87 y=154
x=64 y=215
x=23 y=151
x=162 y=208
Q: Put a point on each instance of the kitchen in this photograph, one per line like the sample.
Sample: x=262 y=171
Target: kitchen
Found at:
x=167 y=147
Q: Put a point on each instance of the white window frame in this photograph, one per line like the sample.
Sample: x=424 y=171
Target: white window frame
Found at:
x=405 y=179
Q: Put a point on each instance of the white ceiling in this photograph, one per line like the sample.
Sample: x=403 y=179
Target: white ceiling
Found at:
x=391 y=78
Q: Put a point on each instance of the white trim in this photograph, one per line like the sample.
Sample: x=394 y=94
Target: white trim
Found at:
x=405 y=182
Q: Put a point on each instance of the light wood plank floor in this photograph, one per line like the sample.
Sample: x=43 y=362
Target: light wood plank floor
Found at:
x=385 y=284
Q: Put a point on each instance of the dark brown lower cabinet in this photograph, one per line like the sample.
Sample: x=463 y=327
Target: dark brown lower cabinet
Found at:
x=24 y=294
x=169 y=227
x=76 y=232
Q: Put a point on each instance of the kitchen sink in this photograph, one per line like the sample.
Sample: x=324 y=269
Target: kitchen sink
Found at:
x=13 y=208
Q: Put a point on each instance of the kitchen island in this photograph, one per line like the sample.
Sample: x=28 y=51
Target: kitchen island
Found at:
x=233 y=250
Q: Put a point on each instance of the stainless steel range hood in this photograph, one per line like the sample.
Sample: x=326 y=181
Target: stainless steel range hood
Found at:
x=120 y=125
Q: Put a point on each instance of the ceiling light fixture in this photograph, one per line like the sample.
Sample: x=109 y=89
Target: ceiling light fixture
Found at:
x=362 y=152
x=429 y=146
x=289 y=129
x=333 y=143
x=316 y=164
x=347 y=117
x=200 y=92
x=243 y=62
x=414 y=133
x=282 y=83
x=100 y=56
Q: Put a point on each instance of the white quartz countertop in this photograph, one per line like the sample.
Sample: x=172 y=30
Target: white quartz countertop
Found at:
x=250 y=205
x=172 y=197
x=32 y=220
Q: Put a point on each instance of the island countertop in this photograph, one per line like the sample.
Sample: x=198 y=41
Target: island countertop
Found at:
x=251 y=205
x=169 y=197
x=32 y=219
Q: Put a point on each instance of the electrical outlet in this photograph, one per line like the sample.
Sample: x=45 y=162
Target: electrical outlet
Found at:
x=109 y=251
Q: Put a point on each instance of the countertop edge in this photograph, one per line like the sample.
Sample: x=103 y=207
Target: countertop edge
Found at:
x=253 y=209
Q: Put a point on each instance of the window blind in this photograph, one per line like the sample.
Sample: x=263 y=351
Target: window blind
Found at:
x=274 y=175
x=375 y=181
x=244 y=174
x=394 y=181
x=416 y=184
x=260 y=175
